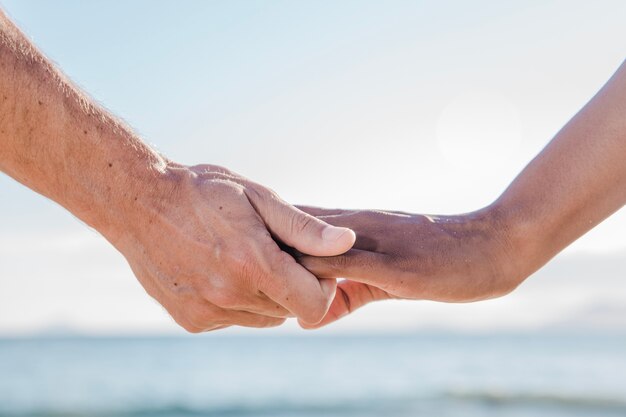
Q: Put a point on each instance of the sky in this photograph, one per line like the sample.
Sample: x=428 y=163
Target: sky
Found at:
x=426 y=107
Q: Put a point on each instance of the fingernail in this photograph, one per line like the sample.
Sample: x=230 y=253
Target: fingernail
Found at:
x=332 y=234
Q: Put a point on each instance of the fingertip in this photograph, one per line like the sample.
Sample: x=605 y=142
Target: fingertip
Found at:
x=329 y=318
x=307 y=326
x=337 y=240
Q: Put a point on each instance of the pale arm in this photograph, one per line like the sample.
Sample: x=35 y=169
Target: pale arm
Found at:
x=200 y=239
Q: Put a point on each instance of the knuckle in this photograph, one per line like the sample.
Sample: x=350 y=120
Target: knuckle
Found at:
x=224 y=189
x=202 y=315
x=314 y=313
x=275 y=273
x=340 y=262
x=249 y=270
x=220 y=187
x=320 y=267
x=283 y=314
x=300 y=223
x=224 y=298
x=281 y=261
x=192 y=329
x=216 y=328
x=187 y=324
x=258 y=193
x=218 y=169
x=274 y=322
x=330 y=267
x=263 y=322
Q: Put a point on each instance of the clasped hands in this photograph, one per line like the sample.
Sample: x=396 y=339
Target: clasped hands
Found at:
x=216 y=249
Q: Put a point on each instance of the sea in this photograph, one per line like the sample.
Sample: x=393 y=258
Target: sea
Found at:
x=305 y=375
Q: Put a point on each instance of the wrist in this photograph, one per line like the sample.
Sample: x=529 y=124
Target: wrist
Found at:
x=519 y=251
x=114 y=194
x=136 y=210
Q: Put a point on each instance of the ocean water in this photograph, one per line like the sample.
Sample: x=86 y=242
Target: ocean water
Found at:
x=305 y=376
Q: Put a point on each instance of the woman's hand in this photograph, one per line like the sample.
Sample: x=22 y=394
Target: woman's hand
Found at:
x=575 y=183
x=397 y=255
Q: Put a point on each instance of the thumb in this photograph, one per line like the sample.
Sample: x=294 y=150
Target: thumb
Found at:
x=300 y=230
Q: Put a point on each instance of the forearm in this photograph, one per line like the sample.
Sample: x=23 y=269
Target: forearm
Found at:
x=57 y=142
x=200 y=239
x=576 y=182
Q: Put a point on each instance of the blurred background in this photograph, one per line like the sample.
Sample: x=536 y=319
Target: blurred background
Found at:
x=428 y=107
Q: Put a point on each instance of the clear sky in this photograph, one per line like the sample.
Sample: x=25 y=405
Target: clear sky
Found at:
x=418 y=106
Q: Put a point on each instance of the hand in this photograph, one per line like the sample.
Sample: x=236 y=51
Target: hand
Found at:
x=200 y=239
x=201 y=243
x=399 y=255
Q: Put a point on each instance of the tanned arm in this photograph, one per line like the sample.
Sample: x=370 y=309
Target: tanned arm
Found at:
x=577 y=181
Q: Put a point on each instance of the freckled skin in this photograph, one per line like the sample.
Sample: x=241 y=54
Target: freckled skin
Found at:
x=577 y=181
x=200 y=239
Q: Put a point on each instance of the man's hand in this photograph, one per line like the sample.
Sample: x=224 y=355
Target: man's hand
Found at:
x=398 y=255
x=201 y=244
x=200 y=239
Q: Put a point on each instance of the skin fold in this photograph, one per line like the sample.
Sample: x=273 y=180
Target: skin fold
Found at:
x=200 y=239
x=576 y=182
